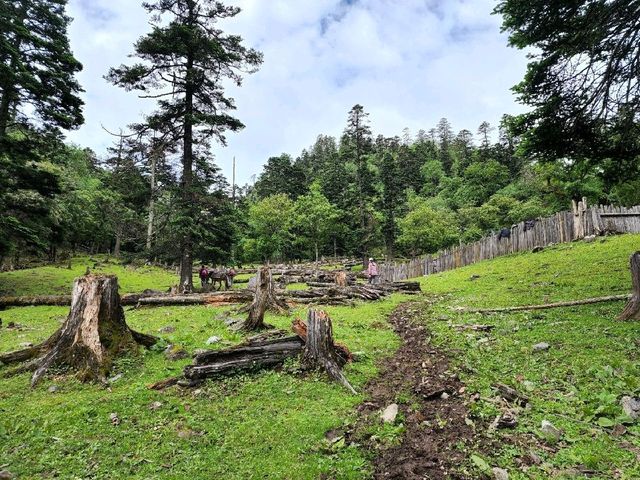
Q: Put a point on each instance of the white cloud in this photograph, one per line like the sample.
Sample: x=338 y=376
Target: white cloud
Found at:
x=408 y=63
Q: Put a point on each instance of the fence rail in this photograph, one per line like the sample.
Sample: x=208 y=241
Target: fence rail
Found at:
x=562 y=227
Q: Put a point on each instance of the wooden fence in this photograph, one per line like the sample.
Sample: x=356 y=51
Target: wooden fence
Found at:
x=562 y=227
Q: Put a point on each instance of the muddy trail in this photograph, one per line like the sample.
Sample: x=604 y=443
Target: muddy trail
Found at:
x=431 y=405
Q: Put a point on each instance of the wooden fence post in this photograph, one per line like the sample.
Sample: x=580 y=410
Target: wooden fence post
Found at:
x=632 y=309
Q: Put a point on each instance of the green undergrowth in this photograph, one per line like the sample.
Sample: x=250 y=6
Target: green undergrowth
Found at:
x=592 y=360
x=267 y=424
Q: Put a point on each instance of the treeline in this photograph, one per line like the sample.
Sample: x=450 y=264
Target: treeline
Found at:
x=406 y=195
x=157 y=194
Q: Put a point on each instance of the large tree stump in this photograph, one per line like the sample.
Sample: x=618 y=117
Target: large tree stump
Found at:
x=632 y=309
x=265 y=297
x=341 y=279
x=93 y=335
x=320 y=352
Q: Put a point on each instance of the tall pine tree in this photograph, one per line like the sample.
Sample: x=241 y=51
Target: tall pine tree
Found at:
x=186 y=59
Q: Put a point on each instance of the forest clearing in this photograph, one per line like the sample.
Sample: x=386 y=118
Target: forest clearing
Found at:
x=285 y=424
x=319 y=239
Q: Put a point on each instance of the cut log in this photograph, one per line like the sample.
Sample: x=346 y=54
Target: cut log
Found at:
x=252 y=356
x=264 y=297
x=320 y=351
x=632 y=309
x=93 y=335
x=341 y=279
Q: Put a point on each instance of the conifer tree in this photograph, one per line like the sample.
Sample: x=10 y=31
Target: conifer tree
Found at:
x=185 y=61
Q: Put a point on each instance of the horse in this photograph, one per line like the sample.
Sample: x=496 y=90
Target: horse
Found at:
x=218 y=276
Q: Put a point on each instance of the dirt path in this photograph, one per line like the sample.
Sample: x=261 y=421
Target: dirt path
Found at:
x=431 y=405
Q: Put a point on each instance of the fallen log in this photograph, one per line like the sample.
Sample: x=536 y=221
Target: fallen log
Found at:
x=228 y=297
x=252 y=356
x=92 y=336
x=314 y=342
x=571 y=303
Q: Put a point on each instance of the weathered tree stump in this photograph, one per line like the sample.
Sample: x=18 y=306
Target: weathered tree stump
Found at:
x=320 y=353
x=93 y=335
x=632 y=309
x=341 y=279
x=265 y=297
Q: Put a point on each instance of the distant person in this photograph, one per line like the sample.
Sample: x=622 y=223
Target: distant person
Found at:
x=230 y=274
x=204 y=275
x=372 y=271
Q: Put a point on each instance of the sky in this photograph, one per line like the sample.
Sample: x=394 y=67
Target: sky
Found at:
x=408 y=62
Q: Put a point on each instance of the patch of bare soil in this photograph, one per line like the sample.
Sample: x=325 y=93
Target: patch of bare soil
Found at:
x=431 y=405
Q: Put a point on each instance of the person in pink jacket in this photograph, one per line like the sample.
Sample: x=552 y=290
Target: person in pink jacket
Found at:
x=372 y=271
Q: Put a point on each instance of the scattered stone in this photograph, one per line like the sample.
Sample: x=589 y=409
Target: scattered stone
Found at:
x=115 y=420
x=444 y=395
x=212 y=340
x=589 y=238
x=175 y=352
x=500 y=474
x=537 y=248
x=6 y=475
x=155 y=405
x=474 y=277
x=167 y=329
x=390 y=413
x=550 y=431
x=52 y=389
x=198 y=351
x=541 y=347
x=631 y=406
x=534 y=458
x=507 y=420
x=26 y=345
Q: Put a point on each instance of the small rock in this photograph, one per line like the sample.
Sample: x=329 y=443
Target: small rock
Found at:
x=167 y=329
x=6 y=475
x=175 y=352
x=631 y=406
x=541 y=347
x=52 y=389
x=390 y=413
x=589 y=238
x=155 y=405
x=550 y=431
x=534 y=458
x=26 y=345
x=212 y=340
x=115 y=378
x=500 y=474
x=474 y=277
x=537 y=248
x=115 y=420
x=507 y=420
x=444 y=395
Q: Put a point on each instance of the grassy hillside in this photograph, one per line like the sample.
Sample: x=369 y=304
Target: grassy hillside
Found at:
x=272 y=424
x=577 y=384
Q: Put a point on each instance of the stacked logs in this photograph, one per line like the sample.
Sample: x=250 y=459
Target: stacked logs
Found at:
x=313 y=340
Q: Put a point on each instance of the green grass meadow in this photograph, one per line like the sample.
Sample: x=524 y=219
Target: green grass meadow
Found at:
x=272 y=424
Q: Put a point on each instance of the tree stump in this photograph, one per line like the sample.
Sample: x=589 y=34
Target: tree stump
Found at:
x=264 y=298
x=320 y=352
x=341 y=279
x=632 y=309
x=92 y=336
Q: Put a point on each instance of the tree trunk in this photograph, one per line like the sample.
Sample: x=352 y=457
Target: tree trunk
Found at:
x=186 y=262
x=632 y=309
x=151 y=200
x=116 y=248
x=320 y=351
x=93 y=335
